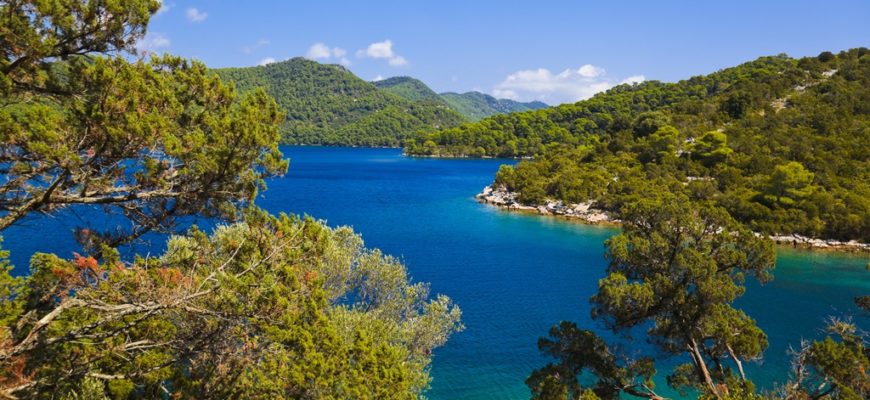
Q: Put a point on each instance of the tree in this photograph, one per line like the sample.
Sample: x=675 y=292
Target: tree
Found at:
x=676 y=268
x=579 y=351
x=154 y=141
x=737 y=105
x=789 y=183
x=826 y=56
x=835 y=367
x=649 y=122
x=271 y=307
x=711 y=148
x=661 y=145
x=35 y=32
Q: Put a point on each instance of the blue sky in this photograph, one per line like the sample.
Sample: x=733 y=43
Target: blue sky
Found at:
x=546 y=50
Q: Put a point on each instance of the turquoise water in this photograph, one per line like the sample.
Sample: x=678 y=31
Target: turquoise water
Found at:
x=513 y=275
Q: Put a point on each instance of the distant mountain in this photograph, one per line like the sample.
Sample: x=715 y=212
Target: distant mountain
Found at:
x=327 y=104
x=476 y=106
x=408 y=88
x=473 y=105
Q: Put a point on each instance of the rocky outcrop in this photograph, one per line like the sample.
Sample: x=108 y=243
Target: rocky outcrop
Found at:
x=812 y=243
x=585 y=212
x=503 y=198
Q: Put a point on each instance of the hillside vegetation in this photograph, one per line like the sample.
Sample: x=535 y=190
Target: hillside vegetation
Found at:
x=409 y=89
x=476 y=106
x=781 y=143
x=327 y=104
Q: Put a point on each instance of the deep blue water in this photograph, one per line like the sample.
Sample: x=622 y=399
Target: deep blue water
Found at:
x=513 y=275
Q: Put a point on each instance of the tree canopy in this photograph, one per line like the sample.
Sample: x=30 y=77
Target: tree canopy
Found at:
x=271 y=307
x=152 y=140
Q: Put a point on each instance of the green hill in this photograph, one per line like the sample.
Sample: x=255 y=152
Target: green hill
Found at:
x=782 y=144
x=408 y=88
x=476 y=106
x=327 y=104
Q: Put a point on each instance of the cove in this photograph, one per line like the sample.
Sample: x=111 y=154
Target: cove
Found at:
x=513 y=275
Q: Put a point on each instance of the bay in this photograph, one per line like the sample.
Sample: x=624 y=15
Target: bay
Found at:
x=512 y=275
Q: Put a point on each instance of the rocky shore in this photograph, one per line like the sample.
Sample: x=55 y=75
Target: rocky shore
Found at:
x=821 y=244
x=584 y=212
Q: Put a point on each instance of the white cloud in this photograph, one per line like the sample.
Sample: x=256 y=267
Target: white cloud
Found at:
x=590 y=71
x=398 y=61
x=505 y=94
x=267 y=60
x=317 y=51
x=320 y=51
x=152 y=42
x=194 y=15
x=380 y=49
x=250 y=48
x=569 y=85
x=383 y=50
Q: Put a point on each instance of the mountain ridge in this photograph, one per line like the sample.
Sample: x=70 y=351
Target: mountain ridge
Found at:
x=327 y=104
x=473 y=105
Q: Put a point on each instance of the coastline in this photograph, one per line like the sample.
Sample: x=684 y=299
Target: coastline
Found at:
x=465 y=157
x=587 y=214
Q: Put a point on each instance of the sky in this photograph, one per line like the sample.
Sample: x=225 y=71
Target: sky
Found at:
x=553 y=51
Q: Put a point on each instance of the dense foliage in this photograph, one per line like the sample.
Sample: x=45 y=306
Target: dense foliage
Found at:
x=153 y=141
x=781 y=143
x=327 y=104
x=476 y=106
x=408 y=88
x=265 y=308
x=672 y=277
x=269 y=307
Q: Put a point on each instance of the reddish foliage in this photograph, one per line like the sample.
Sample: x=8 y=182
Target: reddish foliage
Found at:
x=86 y=262
x=310 y=276
x=170 y=276
x=12 y=371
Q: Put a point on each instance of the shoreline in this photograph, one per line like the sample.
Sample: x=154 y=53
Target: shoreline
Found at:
x=586 y=214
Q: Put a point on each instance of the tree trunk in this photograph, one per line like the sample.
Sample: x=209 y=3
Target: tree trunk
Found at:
x=738 y=362
x=701 y=367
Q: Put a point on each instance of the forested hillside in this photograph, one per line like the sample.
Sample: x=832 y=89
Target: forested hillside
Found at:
x=476 y=106
x=781 y=143
x=327 y=104
x=408 y=88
